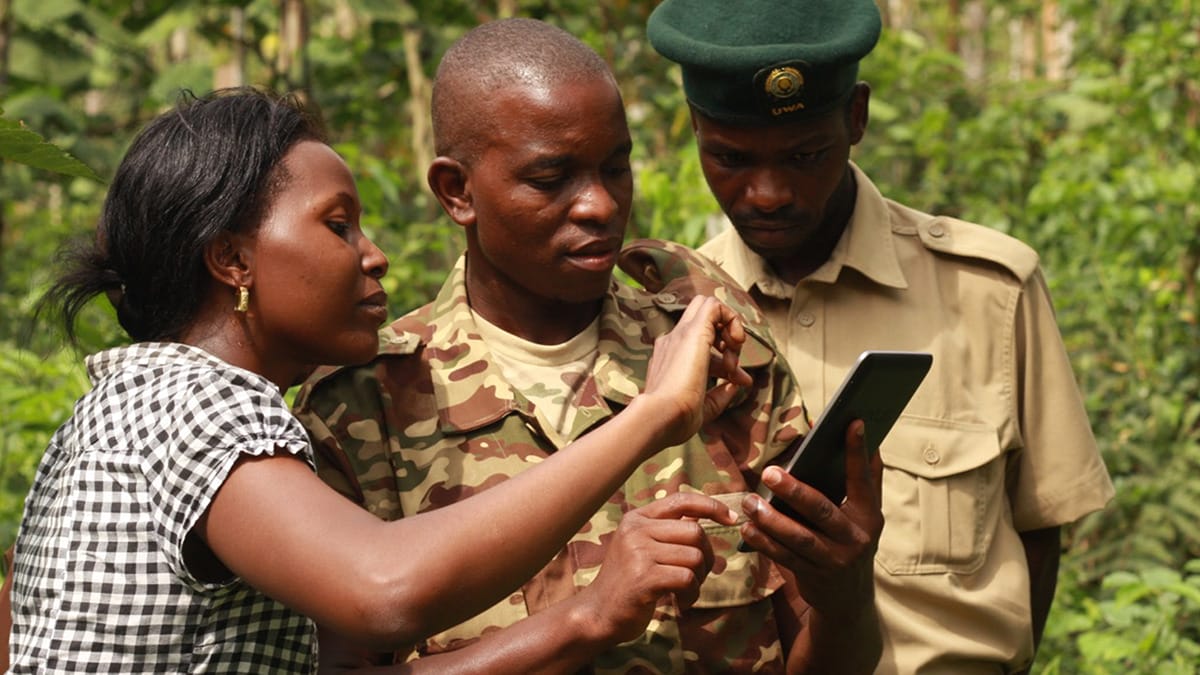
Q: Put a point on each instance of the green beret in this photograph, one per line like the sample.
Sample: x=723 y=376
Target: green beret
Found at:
x=765 y=61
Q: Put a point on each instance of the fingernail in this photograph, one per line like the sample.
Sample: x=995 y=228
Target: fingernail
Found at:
x=771 y=476
x=733 y=515
x=861 y=431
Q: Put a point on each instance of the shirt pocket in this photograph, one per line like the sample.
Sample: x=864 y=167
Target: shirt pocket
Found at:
x=737 y=578
x=943 y=485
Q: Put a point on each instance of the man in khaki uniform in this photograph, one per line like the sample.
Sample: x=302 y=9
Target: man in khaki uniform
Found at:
x=995 y=452
x=531 y=344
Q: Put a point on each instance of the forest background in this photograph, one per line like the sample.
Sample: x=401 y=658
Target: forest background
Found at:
x=1071 y=124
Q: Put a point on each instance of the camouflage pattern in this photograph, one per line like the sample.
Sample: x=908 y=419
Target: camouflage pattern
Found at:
x=432 y=421
x=665 y=267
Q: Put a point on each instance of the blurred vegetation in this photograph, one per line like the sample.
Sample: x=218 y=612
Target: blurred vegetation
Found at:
x=1071 y=124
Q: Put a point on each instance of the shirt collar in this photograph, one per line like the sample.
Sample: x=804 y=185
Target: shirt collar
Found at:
x=155 y=354
x=866 y=246
x=617 y=376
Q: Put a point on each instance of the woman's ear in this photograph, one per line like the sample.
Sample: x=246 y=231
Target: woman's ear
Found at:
x=229 y=260
x=451 y=184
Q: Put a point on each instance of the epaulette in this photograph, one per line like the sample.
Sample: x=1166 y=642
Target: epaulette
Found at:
x=391 y=342
x=961 y=238
x=394 y=341
x=675 y=274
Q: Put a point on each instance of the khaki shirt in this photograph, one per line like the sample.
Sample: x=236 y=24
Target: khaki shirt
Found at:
x=995 y=442
x=432 y=420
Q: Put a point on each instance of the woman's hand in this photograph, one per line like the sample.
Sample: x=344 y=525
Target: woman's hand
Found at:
x=704 y=344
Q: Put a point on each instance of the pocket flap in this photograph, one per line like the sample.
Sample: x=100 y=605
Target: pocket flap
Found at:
x=933 y=448
x=737 y=578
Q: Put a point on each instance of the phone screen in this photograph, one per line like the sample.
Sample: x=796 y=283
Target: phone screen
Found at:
x=876 y=390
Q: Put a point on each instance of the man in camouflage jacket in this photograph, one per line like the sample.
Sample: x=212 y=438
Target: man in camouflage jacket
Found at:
x=432 y=421
x=435 y=418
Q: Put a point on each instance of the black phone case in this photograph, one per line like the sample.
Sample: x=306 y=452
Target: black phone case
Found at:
x=876 y=390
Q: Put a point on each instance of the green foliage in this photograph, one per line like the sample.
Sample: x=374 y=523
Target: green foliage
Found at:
x=1145 y=622
x=37 y=397
x=1097 y=170
x=21 y=145
x=672 y=200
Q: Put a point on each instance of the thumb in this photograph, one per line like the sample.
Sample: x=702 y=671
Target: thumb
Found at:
x=718 y=399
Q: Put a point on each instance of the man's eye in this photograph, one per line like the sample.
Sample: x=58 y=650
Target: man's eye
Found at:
x=340 y=228
x=618 y=169
x=808 y=157
x=545 y=182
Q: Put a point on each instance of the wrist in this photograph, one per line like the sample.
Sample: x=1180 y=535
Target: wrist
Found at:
x=592 y=632
x=653 y=420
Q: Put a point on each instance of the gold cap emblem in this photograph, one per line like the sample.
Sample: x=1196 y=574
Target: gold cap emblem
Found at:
x=784 y=82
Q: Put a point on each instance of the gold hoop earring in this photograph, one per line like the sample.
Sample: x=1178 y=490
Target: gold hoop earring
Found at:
x=243 y=300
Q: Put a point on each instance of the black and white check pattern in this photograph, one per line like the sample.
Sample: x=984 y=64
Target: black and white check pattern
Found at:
x=100 y=582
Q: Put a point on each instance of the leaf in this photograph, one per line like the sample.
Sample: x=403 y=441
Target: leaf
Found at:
x=23 y=146
x=45 y=13
x=1083 y=112
x=49 y=61
x=386 y=10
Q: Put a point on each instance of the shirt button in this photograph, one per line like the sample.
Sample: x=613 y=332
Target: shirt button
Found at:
x=806 y=319
x=931 y=456
x=936 y=230
x=666 y=298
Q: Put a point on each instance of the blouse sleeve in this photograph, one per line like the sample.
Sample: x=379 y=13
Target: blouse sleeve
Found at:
x=224 y=416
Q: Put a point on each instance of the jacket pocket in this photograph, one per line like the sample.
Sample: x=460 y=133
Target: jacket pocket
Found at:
x=943 y=488
x=737 y=578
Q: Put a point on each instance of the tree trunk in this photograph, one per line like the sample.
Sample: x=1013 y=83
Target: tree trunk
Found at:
x=898 y=13
x=1023 y=42
x=177 y=46
x=232 y=73
x=1029 y=49
x=419 y=102
x=973 y=48
x=1058 y=41
x=291 y=63
x=506 y=9
x=5 y=36
x=345 y=20
x=954 y=27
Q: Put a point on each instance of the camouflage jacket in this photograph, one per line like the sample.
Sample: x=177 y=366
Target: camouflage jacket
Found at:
x=431 y=421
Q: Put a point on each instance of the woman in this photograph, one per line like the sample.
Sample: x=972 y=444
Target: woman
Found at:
x=175 y=523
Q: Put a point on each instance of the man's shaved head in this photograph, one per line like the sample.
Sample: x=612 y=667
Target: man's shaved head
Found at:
x=497 y=55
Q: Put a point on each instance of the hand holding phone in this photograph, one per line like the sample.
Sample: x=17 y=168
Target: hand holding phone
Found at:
x=877 y=389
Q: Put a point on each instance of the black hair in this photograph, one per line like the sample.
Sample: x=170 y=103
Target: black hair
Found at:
x=209 y=165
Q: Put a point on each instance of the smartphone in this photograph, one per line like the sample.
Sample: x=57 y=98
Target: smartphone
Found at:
x=876 y=390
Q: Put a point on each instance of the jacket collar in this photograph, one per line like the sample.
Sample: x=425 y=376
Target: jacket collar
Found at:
x=618 y=375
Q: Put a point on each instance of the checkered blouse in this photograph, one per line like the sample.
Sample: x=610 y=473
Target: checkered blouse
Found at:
x=100 y=583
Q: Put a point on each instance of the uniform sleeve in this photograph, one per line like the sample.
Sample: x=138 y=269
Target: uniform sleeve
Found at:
x=1059 y=474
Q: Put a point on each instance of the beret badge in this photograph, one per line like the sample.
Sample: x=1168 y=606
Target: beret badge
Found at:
x=784 y=83
x=781 y=88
